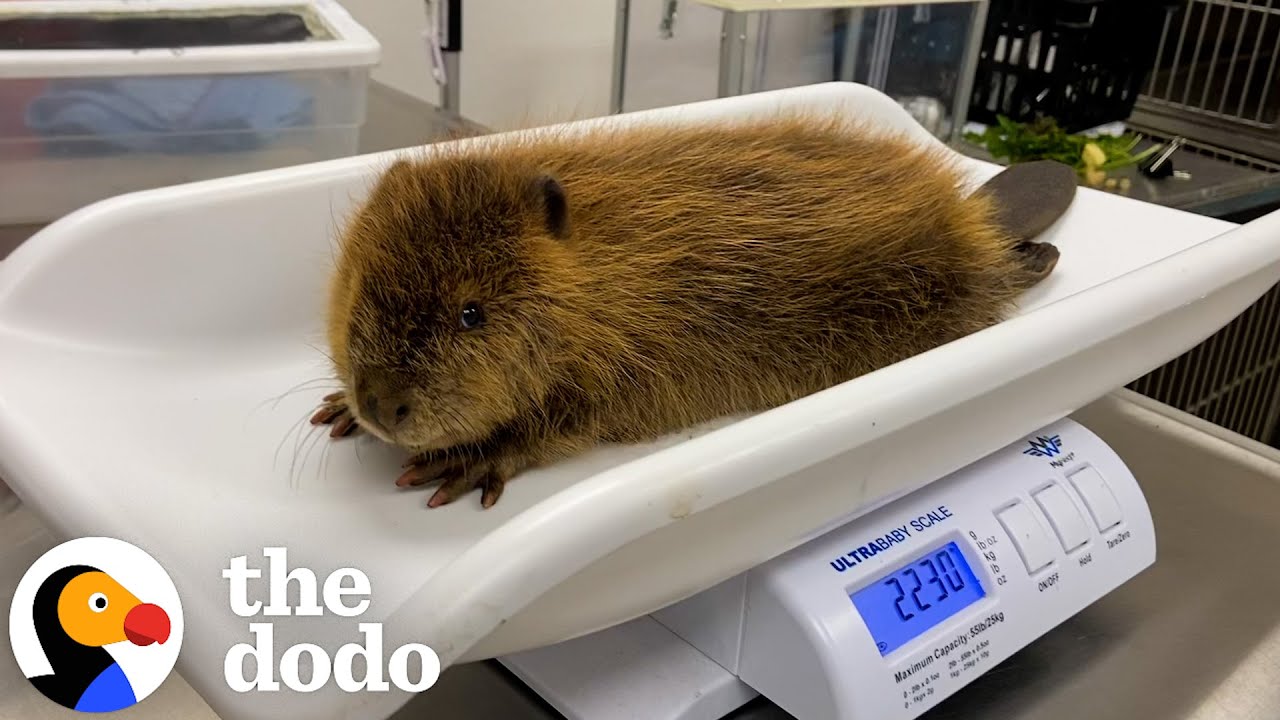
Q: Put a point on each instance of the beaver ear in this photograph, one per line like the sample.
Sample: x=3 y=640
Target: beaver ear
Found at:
x=555 y=205
x=399 y=168
x=398 y=174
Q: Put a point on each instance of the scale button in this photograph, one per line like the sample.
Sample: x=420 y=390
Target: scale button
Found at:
x=1028 y=537
x=1066 y=520
x=1097 y=497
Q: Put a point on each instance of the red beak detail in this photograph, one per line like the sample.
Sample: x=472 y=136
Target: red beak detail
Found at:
x=146 y=624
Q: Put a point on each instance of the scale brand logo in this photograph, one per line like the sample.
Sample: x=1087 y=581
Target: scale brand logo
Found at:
x=1046 y=447
x=96 y=625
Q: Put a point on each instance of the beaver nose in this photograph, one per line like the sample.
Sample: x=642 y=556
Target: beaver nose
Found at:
x=388 y=413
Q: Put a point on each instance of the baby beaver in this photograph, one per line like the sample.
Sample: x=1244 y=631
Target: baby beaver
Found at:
x=501 y=306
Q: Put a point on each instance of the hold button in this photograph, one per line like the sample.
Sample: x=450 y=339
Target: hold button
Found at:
x=1067 y=521
x=1097 y=497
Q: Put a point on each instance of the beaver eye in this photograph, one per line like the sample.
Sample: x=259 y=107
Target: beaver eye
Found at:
x=472 y=316
x=97 y=602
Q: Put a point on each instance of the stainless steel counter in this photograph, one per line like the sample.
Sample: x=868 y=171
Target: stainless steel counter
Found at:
x=1218 y=185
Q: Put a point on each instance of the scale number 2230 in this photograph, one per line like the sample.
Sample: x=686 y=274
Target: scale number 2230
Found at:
x=940 y=572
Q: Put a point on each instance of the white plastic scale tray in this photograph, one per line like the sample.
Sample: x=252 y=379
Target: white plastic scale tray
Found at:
x=143 y=341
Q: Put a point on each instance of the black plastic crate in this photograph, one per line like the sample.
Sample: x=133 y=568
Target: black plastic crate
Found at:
x=1081 y=62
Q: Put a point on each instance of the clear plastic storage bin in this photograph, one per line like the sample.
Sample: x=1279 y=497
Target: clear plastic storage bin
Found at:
x=103 y=97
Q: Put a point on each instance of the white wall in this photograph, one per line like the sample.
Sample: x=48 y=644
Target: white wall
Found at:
x=532 y=62
x=398 y=25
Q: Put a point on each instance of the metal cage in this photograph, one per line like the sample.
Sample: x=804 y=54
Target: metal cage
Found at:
x=1215 y=76
x=1215 y=82
x=1231 y=379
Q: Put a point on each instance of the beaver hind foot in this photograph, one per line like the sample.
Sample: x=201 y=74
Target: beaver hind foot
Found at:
x=1039 y=260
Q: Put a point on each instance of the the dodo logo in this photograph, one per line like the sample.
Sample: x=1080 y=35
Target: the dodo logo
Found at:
x=96 y=624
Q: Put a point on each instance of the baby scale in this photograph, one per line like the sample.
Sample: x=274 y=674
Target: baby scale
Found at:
x=677 y=578
x=886 y=616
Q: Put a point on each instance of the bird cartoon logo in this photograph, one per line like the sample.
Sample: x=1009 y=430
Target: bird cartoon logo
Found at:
x=96 y=625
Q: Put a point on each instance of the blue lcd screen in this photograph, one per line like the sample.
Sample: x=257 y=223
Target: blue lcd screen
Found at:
x=902 y=605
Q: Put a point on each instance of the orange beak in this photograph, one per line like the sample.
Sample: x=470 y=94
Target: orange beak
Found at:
x=146 y=624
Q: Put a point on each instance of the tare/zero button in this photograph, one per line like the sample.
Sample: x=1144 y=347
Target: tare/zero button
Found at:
x=1034 y=546
x=1067 y=522
x=1097 y=497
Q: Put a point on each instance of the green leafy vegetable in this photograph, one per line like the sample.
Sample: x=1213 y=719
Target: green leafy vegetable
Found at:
x=1042 y=139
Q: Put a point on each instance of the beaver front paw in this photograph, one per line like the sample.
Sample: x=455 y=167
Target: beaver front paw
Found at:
x=334 y=411
x=458 y=473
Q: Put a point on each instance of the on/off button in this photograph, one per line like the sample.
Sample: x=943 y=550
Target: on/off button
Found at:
x=1033 y=545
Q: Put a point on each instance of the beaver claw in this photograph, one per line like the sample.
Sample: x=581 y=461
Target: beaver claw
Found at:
x=457 y=476
x=334 y=412
x=458 y=473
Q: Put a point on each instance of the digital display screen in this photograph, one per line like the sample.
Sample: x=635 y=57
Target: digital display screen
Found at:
x=907 y=602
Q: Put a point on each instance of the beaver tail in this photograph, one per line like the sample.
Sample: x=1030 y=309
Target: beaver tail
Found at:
x=1028 y=198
